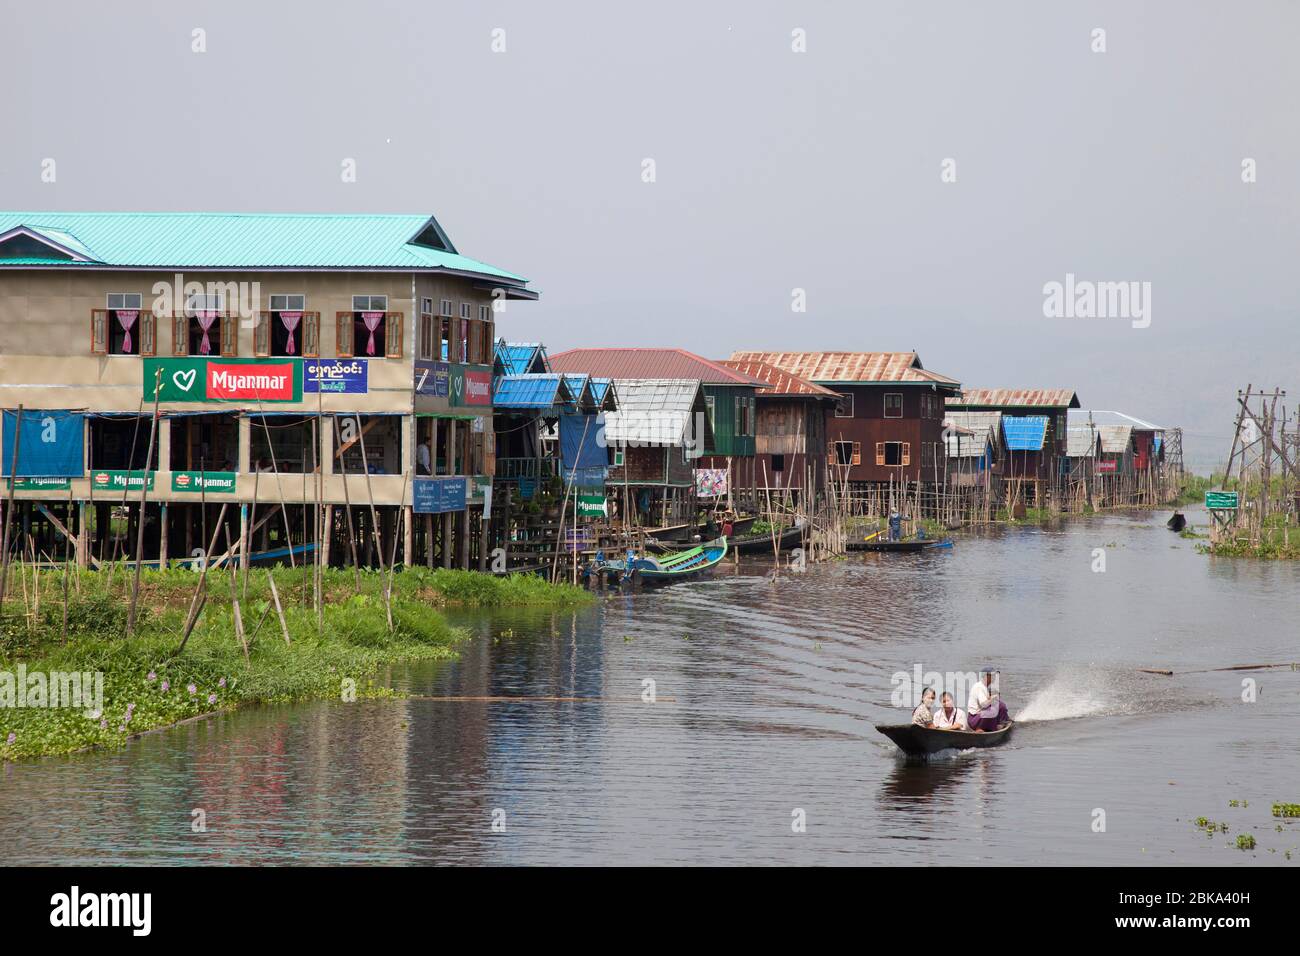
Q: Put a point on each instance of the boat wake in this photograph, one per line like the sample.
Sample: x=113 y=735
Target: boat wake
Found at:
x=1075 y=695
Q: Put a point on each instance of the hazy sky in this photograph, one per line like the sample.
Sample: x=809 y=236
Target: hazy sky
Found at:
x=774 y=169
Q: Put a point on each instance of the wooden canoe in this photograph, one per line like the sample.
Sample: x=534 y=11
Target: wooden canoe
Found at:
x=917 y=741
x=680 y=565
x=879 y=544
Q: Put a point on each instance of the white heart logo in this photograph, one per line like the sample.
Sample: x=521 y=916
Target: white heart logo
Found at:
x=184 y=380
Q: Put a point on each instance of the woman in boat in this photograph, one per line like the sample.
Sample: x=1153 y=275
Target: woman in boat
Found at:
x=949 y=716
x=923 y=716
x=985 y=709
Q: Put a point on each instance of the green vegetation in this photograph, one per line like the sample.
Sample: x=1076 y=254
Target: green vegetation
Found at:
x=1276 y=541
x=1194 y=487
x=1245 y=841
x=1286 y=809
x=147 y=684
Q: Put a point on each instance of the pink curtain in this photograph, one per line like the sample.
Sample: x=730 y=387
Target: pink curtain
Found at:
x=206 y=319
x=372 y=320
x=126 y=318
x=290 y=321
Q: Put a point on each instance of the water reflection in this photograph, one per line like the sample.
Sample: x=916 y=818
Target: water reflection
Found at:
x=769 y=690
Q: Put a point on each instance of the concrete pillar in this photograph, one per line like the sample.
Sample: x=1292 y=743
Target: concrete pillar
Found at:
x=408 y=535
x=162 y=536
x=83 y=535
x=245 y=444
x=164 y=444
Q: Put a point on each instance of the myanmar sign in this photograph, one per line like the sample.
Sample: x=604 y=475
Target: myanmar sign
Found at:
x=207 y=482
x=223 y=380
x=591 y=506
x=41 y=484
x=471 y=385
x=119 y=480
x=1107 y=467
x=1221 y=500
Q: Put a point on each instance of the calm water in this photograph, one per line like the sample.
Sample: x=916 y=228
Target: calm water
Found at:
x=776 y=686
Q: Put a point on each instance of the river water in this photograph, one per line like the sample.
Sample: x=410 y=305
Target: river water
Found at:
x=767 y=691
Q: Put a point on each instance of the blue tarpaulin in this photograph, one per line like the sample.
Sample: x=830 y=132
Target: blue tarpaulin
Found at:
x=1024 y=433
x=51 y=446
x=587 y=454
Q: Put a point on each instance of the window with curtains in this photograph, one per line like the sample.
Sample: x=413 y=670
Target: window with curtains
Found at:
x=204 y=328
x=287 y=329
x=444 y=338
x=370 y=330
x=124 y=327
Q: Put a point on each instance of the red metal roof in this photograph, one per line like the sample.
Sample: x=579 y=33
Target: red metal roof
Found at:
x=1017 y=398
x=779 y=381
x=646 y=363
x=850 y=366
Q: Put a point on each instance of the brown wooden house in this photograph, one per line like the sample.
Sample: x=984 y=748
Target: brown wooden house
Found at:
x=887 y=423
x=790 y=439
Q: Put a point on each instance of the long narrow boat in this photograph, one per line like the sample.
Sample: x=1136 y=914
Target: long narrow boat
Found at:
x=916 y=741
x=879 y=544
x=762 y=543
x=681 y=565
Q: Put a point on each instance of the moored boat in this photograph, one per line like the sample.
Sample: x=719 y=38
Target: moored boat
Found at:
x=913 y=544
x=1177 y=523
x=762 y=543
x=680 y=565
x=917 y=741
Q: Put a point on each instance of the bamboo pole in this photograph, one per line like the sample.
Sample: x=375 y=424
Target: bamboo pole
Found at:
x=144 y=497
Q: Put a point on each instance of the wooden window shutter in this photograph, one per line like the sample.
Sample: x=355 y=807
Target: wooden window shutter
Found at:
x=393 y=334
x=857 y=453
x=830 y=453
x=148 y=334
x=907 y=453
x=343 y=336
x=98 y=331
x=311 y=335
x=229 y=335
x=262 y=334
x=880 y=453
x=180 y=335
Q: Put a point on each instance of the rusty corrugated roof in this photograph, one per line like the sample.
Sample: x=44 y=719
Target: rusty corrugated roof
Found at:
x=850 y=366
x=1016 y=398
x=779 y=381
x=636 y=363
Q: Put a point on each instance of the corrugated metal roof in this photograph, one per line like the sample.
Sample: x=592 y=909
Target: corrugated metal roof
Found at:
x=535 y=391
x=1016 y=398
x=1080 y=441
x=604 y=392
x=1024 y=433
x=155 y=240
x=977 y=429
x=521 y=358
x=654 y=411
x=779 y=381
x=1115 y=439
x=629 y=363
x=850 y=366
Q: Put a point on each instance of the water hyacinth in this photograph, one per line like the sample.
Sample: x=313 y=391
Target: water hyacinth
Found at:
x=103 y=724
x=151 y=677
x=212 y=698
x=166 y=686
x=12 y=737
x=222 y=682
x=192 y=689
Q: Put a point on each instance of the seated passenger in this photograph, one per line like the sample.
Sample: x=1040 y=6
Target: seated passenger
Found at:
x=949 y=716
x=922 y=716
x=985 y=709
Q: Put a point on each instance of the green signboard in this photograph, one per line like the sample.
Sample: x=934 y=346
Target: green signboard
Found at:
x=223 y=379
x=1221 y=500
x=118 y=480
x=591 y=506
x=205 y=482
x=41 y=484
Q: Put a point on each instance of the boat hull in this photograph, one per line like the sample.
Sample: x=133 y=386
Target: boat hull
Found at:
x=762 y=543
x=918 y=741
x=903 y=546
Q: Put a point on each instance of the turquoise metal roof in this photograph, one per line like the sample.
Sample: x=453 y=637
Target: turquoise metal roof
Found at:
x=154 y=240
x=1024 y=433
x=530 y=392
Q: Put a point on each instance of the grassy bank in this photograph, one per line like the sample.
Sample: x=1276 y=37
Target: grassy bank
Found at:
x=148 y=684
x=1276 y=540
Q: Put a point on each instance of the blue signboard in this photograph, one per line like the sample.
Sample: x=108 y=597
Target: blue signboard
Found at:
x=51 y=444
x=349 y=376
x=433 y=378
x=432 y=496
